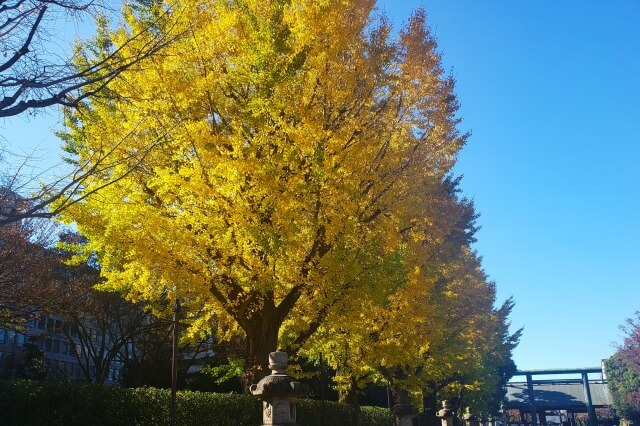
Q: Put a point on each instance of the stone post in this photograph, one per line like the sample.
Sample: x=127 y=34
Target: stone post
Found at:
x=502 y=417
x=403 y=410
x=277 y=392
x=469 y=418
x=445 y=414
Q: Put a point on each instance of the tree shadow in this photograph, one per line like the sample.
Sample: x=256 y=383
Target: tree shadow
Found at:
x=518 y=396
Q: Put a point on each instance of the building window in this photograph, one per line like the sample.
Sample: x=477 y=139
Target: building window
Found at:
x=56 y=346
x=47 y=344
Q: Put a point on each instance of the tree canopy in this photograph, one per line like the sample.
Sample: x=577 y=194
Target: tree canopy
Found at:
x=32 y=73
x=285 y=169
x=31 y=275
x=623 y=372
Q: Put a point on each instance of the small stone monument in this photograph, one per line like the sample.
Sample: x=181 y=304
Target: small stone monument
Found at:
x=501 y=419
x=403 y=410
x=445 y=414
x=277 y=391
x=469 y=418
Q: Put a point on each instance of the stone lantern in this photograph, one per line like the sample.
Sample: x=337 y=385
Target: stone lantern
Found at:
x=502 y=416
x=277 y=391
x=403 y=410
x=445 y=414
x=470 y=419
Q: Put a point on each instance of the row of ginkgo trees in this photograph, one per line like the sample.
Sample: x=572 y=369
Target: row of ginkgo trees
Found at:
x=284 y=168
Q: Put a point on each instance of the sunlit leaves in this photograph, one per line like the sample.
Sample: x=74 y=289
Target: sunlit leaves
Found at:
x=283 y=168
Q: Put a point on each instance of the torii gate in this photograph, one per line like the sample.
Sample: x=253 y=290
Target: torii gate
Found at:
x=575 y=395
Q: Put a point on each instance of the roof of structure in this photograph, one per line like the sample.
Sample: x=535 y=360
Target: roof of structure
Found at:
x=557 y=395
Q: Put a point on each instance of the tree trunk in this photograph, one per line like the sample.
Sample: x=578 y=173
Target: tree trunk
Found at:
x=262 y=339
x=429 y=408
x=350 y=396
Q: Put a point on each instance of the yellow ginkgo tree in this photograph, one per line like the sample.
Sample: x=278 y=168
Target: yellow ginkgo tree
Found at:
x=437 y=335
x=278 y=164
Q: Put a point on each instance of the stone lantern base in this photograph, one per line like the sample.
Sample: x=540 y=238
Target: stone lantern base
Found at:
x=278 y=411
x=278 y=391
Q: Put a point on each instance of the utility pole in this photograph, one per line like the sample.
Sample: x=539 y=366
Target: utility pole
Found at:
x=174 y=361
x=322 y=379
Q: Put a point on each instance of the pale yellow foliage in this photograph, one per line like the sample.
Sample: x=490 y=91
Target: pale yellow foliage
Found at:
x=280 y=168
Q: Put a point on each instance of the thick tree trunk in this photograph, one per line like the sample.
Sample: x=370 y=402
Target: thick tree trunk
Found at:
x=429 y=408
x=262 y=339
x=350 y=396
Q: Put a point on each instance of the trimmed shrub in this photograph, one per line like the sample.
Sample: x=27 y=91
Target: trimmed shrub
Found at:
x=376 y=416
x=319 y=413
x=27 y=403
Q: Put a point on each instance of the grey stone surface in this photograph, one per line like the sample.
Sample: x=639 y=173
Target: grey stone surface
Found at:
x=278 y=391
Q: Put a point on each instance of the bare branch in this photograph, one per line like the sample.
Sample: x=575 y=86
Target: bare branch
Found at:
x=29 y=81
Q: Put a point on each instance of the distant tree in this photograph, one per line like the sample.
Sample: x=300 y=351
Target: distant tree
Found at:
x=31 y=77
x=630 y=350
x=35 y=281
x=101 y=328
x=623 y=372
x=29 y=268
x=148 y=361
x=484 y=365
x=26 y=363
x=106 y=327
x=149 y=364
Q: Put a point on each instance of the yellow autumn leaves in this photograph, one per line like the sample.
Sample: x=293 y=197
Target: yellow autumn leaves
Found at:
x=282 y=167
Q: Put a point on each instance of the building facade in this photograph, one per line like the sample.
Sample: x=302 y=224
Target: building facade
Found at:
x=65 y=354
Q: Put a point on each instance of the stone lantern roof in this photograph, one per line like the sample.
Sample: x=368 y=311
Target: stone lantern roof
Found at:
x=278 y=383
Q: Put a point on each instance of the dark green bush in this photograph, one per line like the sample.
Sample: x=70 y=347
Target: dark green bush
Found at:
x=66 y=403
x=375 y=416
x=318 y=413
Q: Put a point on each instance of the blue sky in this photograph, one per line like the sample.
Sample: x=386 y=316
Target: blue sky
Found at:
x=551 y=91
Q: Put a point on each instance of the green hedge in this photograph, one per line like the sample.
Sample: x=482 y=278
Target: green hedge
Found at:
x=66 y=403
